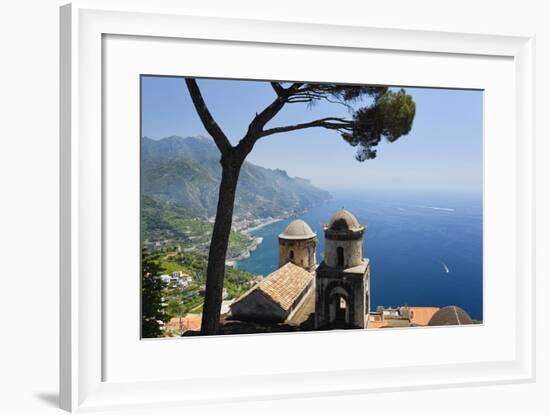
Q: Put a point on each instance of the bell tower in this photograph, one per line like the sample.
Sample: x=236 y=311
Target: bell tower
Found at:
x=343 y=278
x=297 y=244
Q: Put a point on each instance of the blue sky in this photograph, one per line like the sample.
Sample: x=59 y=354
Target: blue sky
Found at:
x=442 y=153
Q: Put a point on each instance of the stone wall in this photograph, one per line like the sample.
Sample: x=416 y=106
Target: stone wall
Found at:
x=352 y=252
x=332 y=285
x=257 y=307
x=299 y=252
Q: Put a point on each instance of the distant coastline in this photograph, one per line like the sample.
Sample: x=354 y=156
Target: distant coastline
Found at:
x=246 y=254
x=255 y=241
x=261 y=225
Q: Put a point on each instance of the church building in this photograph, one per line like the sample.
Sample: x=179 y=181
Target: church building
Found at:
x=282 y=293
x=335 y=293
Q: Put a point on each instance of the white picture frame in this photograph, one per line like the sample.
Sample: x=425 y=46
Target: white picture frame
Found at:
x=84 y=27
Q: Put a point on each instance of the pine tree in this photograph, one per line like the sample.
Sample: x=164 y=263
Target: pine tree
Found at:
x=383 y=114
x=153 y=313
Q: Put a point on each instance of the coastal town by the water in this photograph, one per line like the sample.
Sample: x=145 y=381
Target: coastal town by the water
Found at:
x=301 y=294
x=199 y=241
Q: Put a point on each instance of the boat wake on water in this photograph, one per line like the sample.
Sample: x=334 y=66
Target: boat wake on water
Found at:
x=437 y=208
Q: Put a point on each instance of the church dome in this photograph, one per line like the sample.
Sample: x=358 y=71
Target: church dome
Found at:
x=449 y=316
x=297 y=229
x=343 y=220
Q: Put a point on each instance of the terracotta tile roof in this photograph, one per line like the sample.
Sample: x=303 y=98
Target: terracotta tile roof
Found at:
x=189 y=322
x=379 y=322
x=304 y=310
x=285 y=285
x=419 y=316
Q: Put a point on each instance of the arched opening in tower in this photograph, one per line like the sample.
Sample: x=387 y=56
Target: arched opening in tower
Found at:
x=339 y=307
x=340 y=256
x=291 y=255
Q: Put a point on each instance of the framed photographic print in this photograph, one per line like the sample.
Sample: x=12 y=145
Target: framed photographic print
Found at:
x=314 y=270
x=349 y=206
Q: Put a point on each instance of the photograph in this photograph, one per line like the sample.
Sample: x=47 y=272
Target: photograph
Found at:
x=273 y=206
x=236 y=207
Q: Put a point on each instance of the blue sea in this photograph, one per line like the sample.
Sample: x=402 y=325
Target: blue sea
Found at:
x=425 y=249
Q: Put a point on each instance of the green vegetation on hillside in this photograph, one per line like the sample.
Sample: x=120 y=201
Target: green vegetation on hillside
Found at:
x=236 y=281
x=162 y=302
x=164 y=221
x=186 y=172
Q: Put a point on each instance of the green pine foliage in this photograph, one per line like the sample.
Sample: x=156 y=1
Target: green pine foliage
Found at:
x=153 y=313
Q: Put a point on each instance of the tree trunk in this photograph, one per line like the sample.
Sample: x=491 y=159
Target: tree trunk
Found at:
x=218 y=247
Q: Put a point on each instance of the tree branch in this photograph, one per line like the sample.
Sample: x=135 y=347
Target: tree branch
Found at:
x=206 y=117
x=255 y=128
x=279 y=90
x=330 y=123
x=295 y=87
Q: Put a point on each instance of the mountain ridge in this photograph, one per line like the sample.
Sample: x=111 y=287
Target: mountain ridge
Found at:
x=185 y=171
